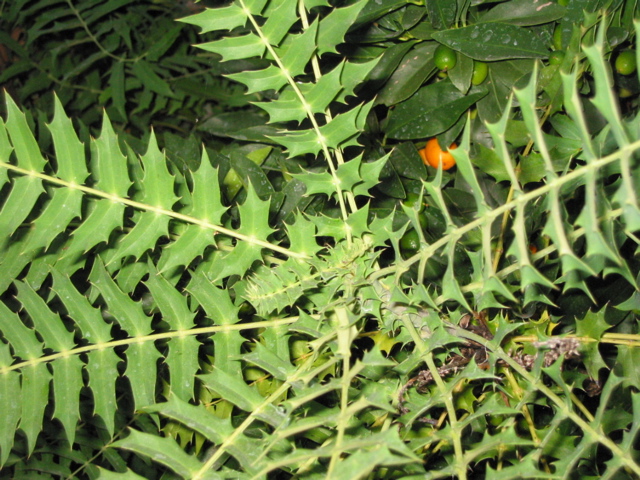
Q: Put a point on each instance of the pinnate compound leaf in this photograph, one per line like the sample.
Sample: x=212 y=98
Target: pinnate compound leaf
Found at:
x=157 y=192
x=280 y=18
x=245 y=450
x=11 y=400
x=67 y=383
x=294 y=55
x=489 y=162
x=336 y=133
x=276 y=288
x=128 y=314
x=233 y=389
x=254 y=224
x=236 y=48
x=206 y=206
x=353 y=75
x=216 y=301
x=22 y=339
x=225 y=18
x=26 y=147
x=25 y=190
x=318 y=96
x=316 y=183
x=63 y=207
x=70 y=155
x=334 y=26
x=265 y=358
x=157 y=182
x=102 y=367
x=302 y=236
x=109 y=168
x=148 y=77
x=254 y=216
x=141 y=372
x=126 y=475
x=353 y=176
x=48 y=324
x=109 y=165
x=5 y=151
x=163 y=450
x=35 y=387
x=369 y=175
x=626 y=365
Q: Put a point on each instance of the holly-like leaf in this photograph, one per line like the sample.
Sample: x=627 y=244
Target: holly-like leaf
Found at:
x=593 y=325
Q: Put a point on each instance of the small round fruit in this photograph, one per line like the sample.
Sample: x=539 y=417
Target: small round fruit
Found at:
x=556 y=58
x=410 y=242
x=444 y=58
x=433 y=155
x=232 y=183
x=480 y=71
x=626 y=62
x=413 y=200
x=625 y=93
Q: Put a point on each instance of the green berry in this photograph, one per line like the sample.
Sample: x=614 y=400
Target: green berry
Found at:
x=626 y=62
x=410 y=242
x=624 y=93
x=556 y=58
x=480 y=71
x=412 y=201
x=444 y=58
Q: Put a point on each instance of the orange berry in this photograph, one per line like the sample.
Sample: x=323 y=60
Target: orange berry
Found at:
x=433 y=155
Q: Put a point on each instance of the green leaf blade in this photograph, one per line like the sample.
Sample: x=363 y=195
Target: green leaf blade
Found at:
x=25 y=145
x=67 y=383
x=48 y=324
x=163 y=450
x=35 y=395
x=127 y=312
x=23 y=339
x=144 y=72
x=141 y=372
x=236 y=48
x=524 y=13
x=10 y=401
x=489 y=42
x=102 y=368
x=431 y=111
x=211 y=19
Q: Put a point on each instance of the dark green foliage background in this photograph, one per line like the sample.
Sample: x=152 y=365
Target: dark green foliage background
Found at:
x=223 y=257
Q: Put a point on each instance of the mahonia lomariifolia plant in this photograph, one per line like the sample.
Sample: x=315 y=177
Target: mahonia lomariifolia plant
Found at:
x=249 y=313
